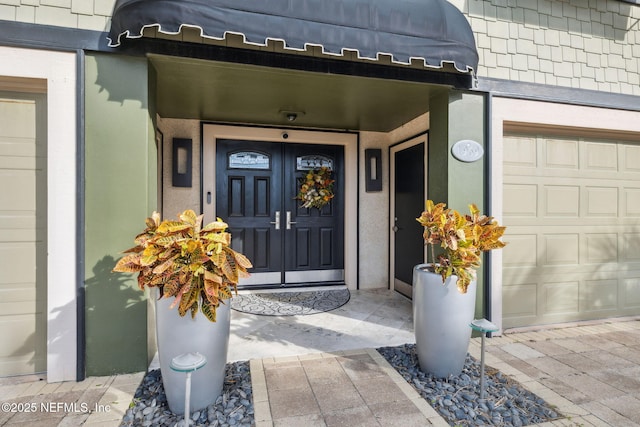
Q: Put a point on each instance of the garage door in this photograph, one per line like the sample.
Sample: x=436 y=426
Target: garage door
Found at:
x=22 y=236
x=572 y=208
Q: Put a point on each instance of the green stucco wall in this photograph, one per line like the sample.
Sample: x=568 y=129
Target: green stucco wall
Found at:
x=120 y=192
x=456 y=116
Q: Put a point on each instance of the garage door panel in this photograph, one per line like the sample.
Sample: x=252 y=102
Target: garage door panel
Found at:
x=21 y=351
x=14 y=294
x=20 y=226
x=17 y=118
x=16 y=335
x=578 y=256
x=522 y=251
x=17 y=147
x=560 y=297
x=561 y=200
x=22 y=306
x=631 y=246
x=631 y=202
x=17 y=191
x=18 y=162
x=520 y=300
x=600 y=156
x=560 y=154
x=14 y=255
x=561 y=249
x=521 y=200
x=601 y=201
x=631 y=292
x=601 y=248
x=600 y=295
x=19 y=235
x=520 y=152
x=630 y=158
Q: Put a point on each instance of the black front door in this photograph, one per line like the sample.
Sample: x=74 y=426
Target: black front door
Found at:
x=409 y=203
x=256 y=186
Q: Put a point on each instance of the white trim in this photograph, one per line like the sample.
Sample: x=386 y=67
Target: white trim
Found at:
x=349 y=140
x=537 y=113
x=59 y=70
x=424 y=138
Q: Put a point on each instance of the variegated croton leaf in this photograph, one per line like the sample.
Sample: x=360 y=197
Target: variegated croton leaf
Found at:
x=461 y=239
x=191 y=263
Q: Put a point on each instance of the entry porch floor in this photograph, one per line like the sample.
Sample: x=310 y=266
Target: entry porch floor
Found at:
x=589 y=371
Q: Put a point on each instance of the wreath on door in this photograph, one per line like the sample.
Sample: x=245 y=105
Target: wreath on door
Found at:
x=316 y=188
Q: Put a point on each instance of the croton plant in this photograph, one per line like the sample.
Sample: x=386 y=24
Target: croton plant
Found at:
x=194 y=264
x=462 y=238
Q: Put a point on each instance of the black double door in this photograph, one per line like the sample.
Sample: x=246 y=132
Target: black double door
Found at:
x=256 y=186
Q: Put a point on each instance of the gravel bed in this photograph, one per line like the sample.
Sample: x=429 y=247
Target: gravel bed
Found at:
x=233 y=408
x=457 y=399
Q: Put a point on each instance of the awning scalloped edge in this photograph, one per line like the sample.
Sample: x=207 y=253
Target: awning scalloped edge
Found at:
x=433 y=32
x=345 y=50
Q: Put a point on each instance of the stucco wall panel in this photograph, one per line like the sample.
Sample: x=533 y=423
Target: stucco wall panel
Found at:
x=120 y=189
x=177 y=199
x=374 y=250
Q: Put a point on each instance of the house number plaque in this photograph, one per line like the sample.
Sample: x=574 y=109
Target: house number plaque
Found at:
x=467 y=151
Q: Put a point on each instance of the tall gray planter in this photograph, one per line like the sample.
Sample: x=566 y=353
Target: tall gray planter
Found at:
x=441 y=318
x=177 y=335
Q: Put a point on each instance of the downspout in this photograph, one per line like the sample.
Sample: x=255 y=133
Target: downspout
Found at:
x=357 y=213
x=487 y=203
x=80 y=217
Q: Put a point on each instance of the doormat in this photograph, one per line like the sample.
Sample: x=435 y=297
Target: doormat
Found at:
x=290 y=303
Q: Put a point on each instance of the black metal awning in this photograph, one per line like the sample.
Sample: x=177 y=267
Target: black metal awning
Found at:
x=433 y=31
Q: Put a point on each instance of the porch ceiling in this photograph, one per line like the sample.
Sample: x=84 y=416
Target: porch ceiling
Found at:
x=218 y=91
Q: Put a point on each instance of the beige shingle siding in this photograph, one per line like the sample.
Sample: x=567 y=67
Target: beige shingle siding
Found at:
x=84 y=14
x=82 y=7
x=587 y=44
x=8 y=13
x=52 y=15
x=64 y=4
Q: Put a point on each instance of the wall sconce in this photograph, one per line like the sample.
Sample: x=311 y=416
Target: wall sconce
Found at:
x=182 y=162
x=373 y=169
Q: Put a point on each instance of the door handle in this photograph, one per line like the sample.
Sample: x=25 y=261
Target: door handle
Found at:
x=289 y=222
x=277 y=221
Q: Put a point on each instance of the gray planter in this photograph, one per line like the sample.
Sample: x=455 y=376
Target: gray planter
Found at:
x=177 y=335
x=441 y=318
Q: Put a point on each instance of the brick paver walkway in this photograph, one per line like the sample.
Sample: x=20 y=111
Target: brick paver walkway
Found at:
x=591 y=373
